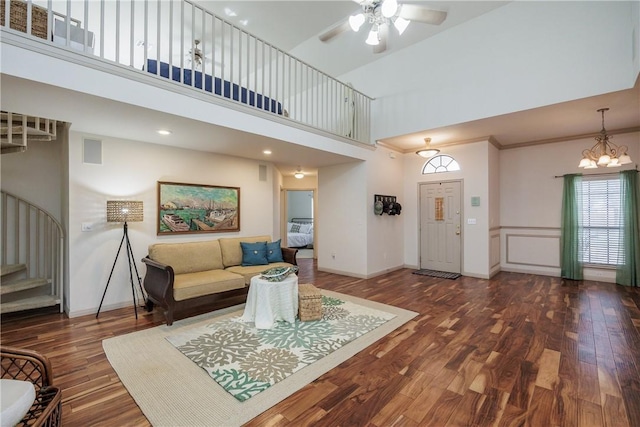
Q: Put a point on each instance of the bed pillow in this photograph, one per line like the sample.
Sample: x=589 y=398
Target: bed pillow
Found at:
x=274 y=252
x=295 y=228
x=305 y=228
x=254 y=253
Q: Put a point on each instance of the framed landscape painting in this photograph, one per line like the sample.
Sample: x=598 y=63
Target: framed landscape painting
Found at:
x=197 y=208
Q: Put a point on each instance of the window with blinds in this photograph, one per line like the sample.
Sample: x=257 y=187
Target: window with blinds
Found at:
x=601 y=221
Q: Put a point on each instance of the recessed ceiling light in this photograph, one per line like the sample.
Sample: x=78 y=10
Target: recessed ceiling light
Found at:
x=267 y=152
x=230 y=12
x=164 y=132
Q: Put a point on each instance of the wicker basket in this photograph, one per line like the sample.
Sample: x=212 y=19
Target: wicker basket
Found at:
x=18 y=18
x=309 y=302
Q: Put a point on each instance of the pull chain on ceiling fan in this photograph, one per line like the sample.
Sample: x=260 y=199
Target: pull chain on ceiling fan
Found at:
x=382 y=14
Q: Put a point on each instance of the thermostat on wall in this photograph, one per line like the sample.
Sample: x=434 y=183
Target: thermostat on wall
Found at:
x=475 y=201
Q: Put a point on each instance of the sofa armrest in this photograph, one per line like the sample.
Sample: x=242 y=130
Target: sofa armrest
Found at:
x=158 y=281
x=289 y=255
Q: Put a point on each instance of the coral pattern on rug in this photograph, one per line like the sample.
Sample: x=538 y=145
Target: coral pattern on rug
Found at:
x=245 y=360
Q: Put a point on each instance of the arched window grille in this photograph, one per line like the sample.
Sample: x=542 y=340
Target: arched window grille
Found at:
x=440 y=163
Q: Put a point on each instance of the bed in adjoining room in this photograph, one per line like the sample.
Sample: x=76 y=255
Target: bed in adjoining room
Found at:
x=300 y=233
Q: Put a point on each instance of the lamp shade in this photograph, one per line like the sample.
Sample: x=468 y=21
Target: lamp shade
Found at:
x=124 y=211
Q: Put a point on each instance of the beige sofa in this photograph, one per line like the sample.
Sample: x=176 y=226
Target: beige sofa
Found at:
x=210 y=273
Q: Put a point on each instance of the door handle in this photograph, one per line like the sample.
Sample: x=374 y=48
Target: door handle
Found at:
x=458 y=230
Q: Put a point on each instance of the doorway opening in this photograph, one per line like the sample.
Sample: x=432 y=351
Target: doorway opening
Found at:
x=299 y=213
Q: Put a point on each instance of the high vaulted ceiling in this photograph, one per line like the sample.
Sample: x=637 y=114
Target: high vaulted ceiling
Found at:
x=295 y=25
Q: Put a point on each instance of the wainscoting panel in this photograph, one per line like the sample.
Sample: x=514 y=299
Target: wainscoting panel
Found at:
x=533 y=250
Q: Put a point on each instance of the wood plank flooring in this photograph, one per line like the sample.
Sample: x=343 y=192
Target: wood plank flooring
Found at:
x=516 y=350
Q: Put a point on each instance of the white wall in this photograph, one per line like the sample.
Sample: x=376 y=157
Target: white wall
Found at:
x=130 y=170
x=542 y=52
x=299 y=204
x=385 y=233
x=494 y=210
x=342 y=217
x=36 y=175
x=531 y=202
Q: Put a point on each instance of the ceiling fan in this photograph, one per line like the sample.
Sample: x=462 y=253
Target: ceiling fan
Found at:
x=196 y=55
x=381 y=14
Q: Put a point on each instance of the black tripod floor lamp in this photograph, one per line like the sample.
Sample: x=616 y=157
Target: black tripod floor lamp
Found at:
x=125 y=211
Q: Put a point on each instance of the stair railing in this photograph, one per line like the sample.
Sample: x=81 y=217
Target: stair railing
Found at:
x=32 y=236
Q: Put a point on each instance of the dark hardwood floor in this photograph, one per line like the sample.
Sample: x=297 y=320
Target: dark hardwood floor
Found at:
x=514 y=350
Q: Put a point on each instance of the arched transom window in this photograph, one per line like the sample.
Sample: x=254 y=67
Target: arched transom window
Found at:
x=440 y=163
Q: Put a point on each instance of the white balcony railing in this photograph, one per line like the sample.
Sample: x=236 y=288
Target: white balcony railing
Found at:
x=183 y=42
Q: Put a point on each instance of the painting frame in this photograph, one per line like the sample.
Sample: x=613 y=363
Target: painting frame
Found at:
x=185 y=208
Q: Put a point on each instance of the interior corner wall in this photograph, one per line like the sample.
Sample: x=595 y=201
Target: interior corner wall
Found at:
x=531 y=203
x=473 y=159
x=130 y=170
x=494 y=210
x=385 y=233
x=36 y=175
x=342 y=219
x=519 y=56
x=277 y=204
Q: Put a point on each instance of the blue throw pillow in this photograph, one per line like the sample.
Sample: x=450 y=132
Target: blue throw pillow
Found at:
x=274 y=252
x=254 y=253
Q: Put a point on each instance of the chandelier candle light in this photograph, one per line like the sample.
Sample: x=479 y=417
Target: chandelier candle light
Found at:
x=604 y=152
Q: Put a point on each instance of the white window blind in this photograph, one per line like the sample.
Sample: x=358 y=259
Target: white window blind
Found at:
x=601 y=221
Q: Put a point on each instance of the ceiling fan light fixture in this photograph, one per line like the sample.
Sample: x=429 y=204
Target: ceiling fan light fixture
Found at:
x=373 y=38
x=356 y=21
x=401 y=24
x=389 y=8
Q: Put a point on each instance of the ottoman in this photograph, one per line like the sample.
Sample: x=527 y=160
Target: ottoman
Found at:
x=309 y=302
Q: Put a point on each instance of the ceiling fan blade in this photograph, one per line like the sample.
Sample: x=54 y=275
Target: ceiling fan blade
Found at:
x=335 y=31
x=416 y=13
x=383 y=33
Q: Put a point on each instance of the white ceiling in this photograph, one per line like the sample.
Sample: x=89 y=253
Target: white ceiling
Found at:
x=294 y=26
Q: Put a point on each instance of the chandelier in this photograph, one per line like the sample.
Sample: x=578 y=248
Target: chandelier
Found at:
x=379 y=15
x=604 y=152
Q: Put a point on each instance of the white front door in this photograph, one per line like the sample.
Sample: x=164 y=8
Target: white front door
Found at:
x=440 y=227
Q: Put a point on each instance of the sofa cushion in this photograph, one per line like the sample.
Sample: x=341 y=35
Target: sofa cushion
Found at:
x=253 y=270
x=274 y=252
x=188 y=257
x=254 y=253
x=231 y=250
x=192 y=285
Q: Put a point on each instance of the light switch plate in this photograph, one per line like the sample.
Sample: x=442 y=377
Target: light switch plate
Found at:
x=87 y=226
x=471 y=221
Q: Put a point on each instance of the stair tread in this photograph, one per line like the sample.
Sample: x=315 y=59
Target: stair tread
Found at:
x=11 y=268
x=23 y=284
x=29 y=303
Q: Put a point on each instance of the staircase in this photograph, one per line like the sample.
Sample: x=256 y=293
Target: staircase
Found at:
x=16 y=130
x=19 y=293
x=31 y=274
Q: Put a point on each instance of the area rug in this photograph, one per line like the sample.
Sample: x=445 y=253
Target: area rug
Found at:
x=440 y=274
x=245 y=360
x=172 y=390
